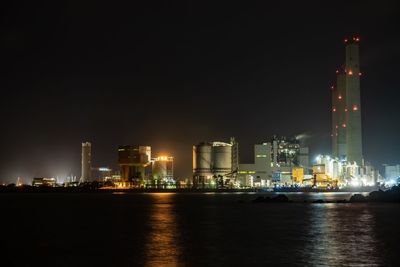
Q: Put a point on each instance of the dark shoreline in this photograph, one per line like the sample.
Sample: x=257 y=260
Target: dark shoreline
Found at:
x=390 y=195
x=94 y=188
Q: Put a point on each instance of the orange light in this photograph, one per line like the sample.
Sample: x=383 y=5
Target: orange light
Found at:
x=344 y=125
x=350 y=72
x=355 y=108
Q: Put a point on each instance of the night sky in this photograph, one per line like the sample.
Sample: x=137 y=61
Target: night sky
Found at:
x=172 y=73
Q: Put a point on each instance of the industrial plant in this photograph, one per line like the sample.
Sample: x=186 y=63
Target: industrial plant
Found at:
x=215 y=164
x=279 y=161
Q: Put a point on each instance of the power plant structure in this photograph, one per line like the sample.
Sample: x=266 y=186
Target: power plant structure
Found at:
x=162 y=171
x=134 y=162
x=86 y=173
x=346 y=107
x=280 y=161
x=346 y=134
x=215 y=164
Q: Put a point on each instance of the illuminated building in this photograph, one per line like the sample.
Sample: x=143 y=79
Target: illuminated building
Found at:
x=163 y=171
x=257 y=173
x=41 y=181
x=392 y=173
x=332 y=172
x=327 y=172
x=86 y=174
x=214 y=164
x=346 y=107
x=275 y=161
x=298 y=175
x=101 y=174
x=133 y=162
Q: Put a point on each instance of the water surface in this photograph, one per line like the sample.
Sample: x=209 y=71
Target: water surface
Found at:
x=169 y=229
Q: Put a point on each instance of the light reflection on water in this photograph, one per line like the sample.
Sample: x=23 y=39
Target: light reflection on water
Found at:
x=195 y=230
x=342 y=235
x=162 y=247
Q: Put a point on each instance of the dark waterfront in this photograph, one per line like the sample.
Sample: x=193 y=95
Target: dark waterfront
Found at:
x=167 y=229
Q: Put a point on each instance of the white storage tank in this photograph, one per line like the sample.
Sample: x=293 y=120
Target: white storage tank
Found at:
x=202 y=159
x=221 y=158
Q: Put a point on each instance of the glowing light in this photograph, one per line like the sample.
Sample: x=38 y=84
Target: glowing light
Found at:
x=345 y=110
x=357 y=39
x=350 y=72
x=337 y=71
x=163 y=158
x=355 y=183
x=355 y=108
x=339 y=97
x=334 y=110
x=359 y=74
x=346 y=40
x=344 y=125
x=336 y=126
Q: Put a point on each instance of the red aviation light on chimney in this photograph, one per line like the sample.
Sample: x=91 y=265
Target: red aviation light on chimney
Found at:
x=355 y=108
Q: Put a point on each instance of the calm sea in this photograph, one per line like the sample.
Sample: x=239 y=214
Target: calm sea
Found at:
x=168 y=229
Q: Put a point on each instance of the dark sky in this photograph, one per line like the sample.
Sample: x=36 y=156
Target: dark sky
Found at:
x=172 y=73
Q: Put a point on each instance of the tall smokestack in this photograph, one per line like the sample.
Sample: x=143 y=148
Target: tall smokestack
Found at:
x=86 y=162
x=353 y=102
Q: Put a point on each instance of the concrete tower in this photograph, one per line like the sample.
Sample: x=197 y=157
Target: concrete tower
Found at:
x=339 y=123
x=86 y=162
x=353 y=103
x=346 y=107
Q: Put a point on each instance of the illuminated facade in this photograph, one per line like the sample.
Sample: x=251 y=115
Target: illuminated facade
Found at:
x=346 y=107
x=332 y=172
x=215 y=164
x=86 y=174
x=41 y=181
x=392 y=173
x=163 y=171
x=134 y=162
x=281 y=161
x=101 y=173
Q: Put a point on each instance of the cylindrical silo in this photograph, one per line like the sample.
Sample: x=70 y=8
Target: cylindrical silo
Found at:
x=222 y=158
x=202 y=159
